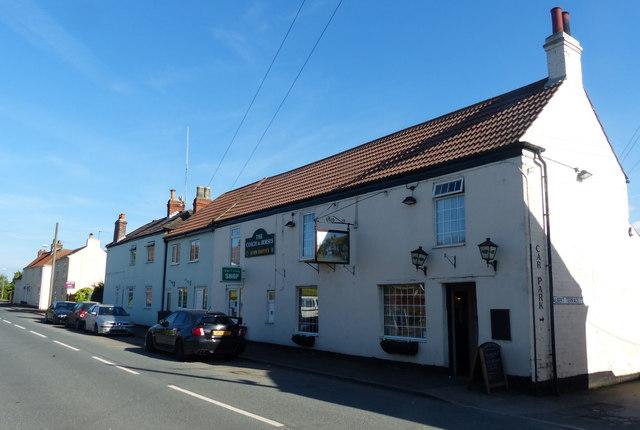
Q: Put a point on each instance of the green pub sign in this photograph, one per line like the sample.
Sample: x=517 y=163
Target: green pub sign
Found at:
x=231 y=274
x=259 y=244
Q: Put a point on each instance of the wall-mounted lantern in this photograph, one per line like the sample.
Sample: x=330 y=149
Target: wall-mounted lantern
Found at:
x=488 y=253
x=291 y=223
x=418 y=257
x=410 y=200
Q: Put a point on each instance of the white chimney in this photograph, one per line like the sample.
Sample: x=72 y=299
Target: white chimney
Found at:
x=564 y=53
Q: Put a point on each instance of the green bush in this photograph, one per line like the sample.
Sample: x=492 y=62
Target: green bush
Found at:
x=83 y=294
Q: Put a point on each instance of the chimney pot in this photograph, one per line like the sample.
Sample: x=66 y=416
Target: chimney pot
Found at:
x=556 y=20
x=566 y=25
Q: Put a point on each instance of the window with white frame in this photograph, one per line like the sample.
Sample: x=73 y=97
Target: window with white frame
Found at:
x=182 y=298
x=132 y=255
x=194 y=250
x=151 y=252
x=235 y=246
x=308 y=309
x=450 y=213
x=309 y=236
x=404 y=311
x=130 y=296
x=175 y=253
x=148 y=297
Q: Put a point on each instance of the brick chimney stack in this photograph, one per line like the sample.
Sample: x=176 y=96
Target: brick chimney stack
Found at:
x=564 y=53
x=203 y=198
x=174 y=206
x=120 y=230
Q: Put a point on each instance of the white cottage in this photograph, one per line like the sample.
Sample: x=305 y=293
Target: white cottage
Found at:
x=74 y=269
x=320 y=256
x=136 y=261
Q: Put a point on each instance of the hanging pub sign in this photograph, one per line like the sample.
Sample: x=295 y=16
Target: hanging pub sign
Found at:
x=259 y=244
x=332 y=246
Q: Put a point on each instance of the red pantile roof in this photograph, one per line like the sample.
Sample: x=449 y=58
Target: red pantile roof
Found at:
x=45 y=258
x=492 y=125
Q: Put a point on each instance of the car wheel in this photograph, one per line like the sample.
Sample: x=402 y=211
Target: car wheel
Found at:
x=95 y=329
x=46 y=320
x=149 y=344
x=179 y=351
x=79 y=325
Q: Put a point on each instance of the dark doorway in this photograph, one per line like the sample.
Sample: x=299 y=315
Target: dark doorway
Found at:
x=462 y=322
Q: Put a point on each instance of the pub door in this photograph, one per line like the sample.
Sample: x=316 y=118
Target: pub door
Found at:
x=462 y=323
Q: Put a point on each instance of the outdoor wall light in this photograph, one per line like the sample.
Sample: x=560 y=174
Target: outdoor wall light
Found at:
x=410 y=200
x=488 y=253
x=582 y=175
x=291 y=223
x=418 y=257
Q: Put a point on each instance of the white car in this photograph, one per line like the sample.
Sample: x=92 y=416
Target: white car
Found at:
x=108 y=319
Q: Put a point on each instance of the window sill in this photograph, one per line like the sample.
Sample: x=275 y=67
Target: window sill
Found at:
x=192 y=261
x=453 y=245
x=174 y=264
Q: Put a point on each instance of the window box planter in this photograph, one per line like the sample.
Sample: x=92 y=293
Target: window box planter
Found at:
x=403 y=347
x=303 y=340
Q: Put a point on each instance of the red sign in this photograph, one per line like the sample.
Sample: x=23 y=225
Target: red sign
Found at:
x=70 y=284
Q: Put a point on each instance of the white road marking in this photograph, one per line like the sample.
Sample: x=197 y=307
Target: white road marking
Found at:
x=65 y=345
x=36 y=333
x=102 y=360
x=133 y=372
x=19 y=326
x=7 y=321
x=224 y=405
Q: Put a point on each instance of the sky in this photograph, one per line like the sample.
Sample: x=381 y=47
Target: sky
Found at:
x=99 y=99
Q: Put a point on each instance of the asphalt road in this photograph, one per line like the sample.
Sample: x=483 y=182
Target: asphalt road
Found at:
x=55 y=378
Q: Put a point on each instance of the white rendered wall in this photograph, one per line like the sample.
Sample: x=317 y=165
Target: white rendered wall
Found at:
x=594 y=253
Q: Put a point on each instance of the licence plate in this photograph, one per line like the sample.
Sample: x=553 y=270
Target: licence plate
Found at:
x=221 y=333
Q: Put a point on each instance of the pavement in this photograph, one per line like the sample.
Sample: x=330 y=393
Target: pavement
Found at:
x=616 y=406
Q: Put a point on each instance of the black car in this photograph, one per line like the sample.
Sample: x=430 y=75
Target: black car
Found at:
x=57 y=312
x=197 y=332
x=75 y=318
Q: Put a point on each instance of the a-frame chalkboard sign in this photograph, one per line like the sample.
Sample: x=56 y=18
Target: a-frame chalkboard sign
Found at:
x=488 y=362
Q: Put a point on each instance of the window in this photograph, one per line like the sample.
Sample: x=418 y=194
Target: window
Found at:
x=308 y=309
x=130 y=297
x=132 y=255
x=151 y=252
x=148 y=297
x=404 y=311
x=194 y=250
x=182 y=298
x=175 y=253
x=235 y=246
x=450 y=218
x=309 y=236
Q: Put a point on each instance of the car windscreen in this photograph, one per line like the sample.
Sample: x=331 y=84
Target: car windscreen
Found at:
x=112 y=310
x=65 y=306
x=217 y=320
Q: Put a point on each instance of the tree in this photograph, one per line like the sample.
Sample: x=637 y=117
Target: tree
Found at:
x=98 y=292
x=6 y=287
x=83 y=294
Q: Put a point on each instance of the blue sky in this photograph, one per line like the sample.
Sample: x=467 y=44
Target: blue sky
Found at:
x=96 y=96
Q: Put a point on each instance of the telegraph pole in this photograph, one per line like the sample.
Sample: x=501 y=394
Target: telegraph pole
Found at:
x=54 y=250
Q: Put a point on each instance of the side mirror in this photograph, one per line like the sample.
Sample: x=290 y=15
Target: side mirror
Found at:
x=94 y=313
x=239 y=320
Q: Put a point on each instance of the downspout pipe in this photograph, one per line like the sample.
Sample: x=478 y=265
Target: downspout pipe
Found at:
x=164 y=273
x=547 y=218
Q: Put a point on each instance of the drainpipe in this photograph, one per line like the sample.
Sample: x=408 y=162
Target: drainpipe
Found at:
x=547 y=227
x=164 y=272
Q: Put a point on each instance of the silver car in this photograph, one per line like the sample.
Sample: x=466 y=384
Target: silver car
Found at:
x=108 y=319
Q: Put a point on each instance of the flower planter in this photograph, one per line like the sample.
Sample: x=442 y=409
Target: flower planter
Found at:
x=303 y=340
x=399 y=347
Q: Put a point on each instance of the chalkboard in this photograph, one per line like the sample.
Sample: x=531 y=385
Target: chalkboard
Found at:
x=488 y=360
